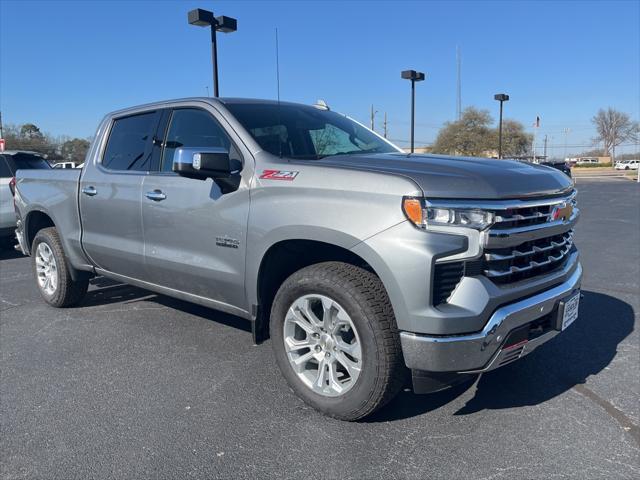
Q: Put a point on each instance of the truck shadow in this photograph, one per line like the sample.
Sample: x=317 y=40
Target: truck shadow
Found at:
x=584 y=349
x=104 y=291
x=8 y=252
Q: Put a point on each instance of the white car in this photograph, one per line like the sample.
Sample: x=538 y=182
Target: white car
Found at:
x=65 y=165
x=587 y=161
x=627 y=165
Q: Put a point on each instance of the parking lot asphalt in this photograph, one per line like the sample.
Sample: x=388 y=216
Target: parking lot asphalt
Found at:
x=136 y=385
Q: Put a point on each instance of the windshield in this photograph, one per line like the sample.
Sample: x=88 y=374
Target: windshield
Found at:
x=299 y=131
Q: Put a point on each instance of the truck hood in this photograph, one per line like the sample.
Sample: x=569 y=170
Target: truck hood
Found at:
x=461 y=177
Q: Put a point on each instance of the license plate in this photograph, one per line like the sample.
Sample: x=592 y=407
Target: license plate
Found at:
x=570 y=310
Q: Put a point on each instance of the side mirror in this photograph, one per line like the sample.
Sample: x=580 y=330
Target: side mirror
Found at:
x=205 y=162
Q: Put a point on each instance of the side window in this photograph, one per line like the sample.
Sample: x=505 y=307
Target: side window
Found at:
x=129 y=144
x=192 y=127
x=4 y=168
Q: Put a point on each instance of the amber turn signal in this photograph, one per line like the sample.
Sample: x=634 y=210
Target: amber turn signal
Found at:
x=412 y=208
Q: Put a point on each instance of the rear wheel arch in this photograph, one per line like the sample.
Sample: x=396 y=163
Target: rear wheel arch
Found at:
x=35 y=221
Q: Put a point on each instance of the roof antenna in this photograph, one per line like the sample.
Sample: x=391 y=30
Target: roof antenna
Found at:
x=278 y=88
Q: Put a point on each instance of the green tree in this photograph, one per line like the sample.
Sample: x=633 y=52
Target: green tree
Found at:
x=515 y=141
x=471 y=135
x=31 y=132
x=74 y=150
x=29 y=137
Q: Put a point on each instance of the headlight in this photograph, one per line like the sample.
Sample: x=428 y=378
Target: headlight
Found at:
x=425 y=216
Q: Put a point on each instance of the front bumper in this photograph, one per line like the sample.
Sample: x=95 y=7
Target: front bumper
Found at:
x=485 y=350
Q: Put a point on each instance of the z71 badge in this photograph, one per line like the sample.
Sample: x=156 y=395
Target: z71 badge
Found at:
x=279 y=174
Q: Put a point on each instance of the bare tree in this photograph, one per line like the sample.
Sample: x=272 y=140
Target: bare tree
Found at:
x=613 y=129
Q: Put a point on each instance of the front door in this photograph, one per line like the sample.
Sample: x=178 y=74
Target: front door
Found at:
x=195 y=235
x=110 y=195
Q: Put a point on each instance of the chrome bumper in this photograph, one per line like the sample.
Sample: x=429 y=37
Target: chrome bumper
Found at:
x=483 y=351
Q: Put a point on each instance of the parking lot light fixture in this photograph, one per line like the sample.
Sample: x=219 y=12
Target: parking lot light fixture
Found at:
x=501 y=97
x=205 y=18
x=414 y=77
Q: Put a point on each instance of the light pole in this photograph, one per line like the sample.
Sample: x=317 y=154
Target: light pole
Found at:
x=205 y=18
x=414 y=77
x=501 y=97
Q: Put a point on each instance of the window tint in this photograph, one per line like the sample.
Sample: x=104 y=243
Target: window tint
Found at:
x=129 y=144
x=191 y=127
x=4 y=168
x=300 y=131
x=27 y=161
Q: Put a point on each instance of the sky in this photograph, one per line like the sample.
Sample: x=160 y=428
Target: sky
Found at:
x=64 y=64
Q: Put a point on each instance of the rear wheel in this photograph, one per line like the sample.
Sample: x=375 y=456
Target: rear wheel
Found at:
x=335 y=339
x=52 y=274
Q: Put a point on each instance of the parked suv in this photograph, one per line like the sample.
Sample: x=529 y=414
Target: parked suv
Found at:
x=361 y=262
x=627 y=165
x=10 y=162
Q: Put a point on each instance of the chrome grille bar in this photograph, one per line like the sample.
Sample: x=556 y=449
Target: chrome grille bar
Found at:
x=566 y=239
x=532 y=265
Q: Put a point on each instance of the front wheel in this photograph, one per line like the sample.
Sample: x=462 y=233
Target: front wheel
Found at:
x=52 y=274
x=335 y=339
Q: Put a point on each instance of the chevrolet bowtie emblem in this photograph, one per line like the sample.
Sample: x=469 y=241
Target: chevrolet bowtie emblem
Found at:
x=562 y=211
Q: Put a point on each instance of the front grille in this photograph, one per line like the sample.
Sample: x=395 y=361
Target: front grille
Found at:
x=504 y=265
x=522 y=217
x=528 y=238
x=525 y=241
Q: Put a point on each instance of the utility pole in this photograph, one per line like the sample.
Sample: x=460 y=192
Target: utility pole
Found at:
x=566 y=132
x=385 y=124
x=459 y=86
x=1 y=132
x=535 y=134
x=545 y=147
x=373 y=114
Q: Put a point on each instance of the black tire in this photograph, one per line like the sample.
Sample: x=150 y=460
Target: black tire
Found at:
x=68 y=292
x=364 y=298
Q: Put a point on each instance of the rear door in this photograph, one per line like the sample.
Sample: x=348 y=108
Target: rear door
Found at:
x=195 y=230
x=110 y=195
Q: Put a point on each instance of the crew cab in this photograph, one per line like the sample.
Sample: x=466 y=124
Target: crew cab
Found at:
x=361 y=263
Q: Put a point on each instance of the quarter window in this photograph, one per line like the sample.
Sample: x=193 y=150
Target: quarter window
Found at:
x=129 y=144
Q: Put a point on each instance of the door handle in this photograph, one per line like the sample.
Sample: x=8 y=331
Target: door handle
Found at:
x=91 y=191
x=155 y=195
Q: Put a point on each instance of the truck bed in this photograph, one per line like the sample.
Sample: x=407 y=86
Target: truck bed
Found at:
x=54 y=191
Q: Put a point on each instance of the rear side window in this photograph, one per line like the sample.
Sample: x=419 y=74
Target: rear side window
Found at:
x=192 y=127
x=4 y=168
x=27 y=161
x=130 y=143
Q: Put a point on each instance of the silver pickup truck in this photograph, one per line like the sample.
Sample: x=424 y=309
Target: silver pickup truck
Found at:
x=360 y=262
